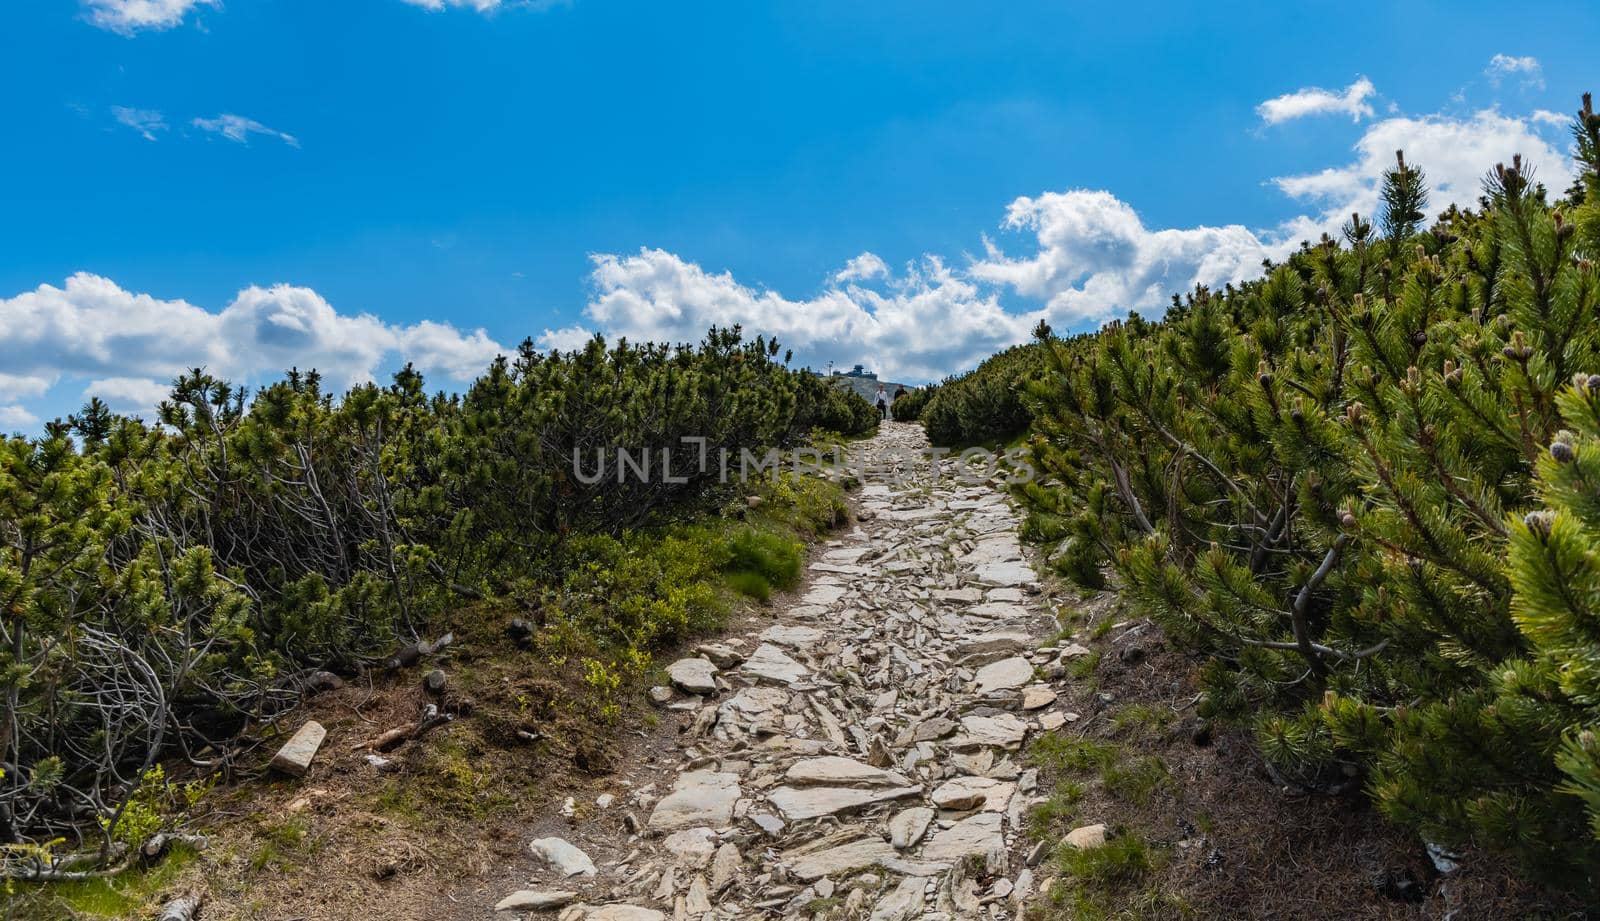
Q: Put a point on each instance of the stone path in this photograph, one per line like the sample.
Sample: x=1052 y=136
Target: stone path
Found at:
x=857 y=757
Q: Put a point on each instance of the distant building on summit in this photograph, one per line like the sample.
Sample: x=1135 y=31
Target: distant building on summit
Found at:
x=861 y=381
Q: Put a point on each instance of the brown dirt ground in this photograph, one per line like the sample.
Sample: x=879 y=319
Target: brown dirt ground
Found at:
x=1232 y=843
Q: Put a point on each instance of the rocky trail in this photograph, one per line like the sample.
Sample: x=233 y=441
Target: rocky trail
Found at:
x=858 y=755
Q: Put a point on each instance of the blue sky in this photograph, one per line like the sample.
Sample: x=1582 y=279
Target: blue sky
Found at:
x=256 y=183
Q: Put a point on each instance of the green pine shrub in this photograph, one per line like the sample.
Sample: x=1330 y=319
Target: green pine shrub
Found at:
x=909 y=407
x=163 y=585
x=984 y=405
x=1362 y=488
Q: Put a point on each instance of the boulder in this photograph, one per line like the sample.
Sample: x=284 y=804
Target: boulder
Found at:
x=562 y=857
x=696 y=676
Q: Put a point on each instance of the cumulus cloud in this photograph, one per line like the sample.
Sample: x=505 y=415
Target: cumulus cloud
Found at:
x=929 y=320
x=238 y=129
x=1084 y=256
x=1096 y=259
x=864 y=267
x=1314 y=100
x=1526 y=68
x=145 y=121
x=1454 y=153
x=129 y=345
x=16 y=418
x=128 y=395
x=127 y=17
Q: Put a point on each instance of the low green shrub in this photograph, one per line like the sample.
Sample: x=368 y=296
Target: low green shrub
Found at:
x=168 y=584
x=1362 y=487
x=909 y=407
x=985 y=404
x=773 y=558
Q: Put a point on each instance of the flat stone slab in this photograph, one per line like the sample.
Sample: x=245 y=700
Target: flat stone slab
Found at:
x=903 y=903
x=1004 y=675
x=840 y=569
x=1003 y=730
x=757 y=703
x=936 y=728
x=697 y=676
x=995 y=641
x=971 y=837
x=1038 y=696
x=837 y=771
x=691 y=847
x=823 y=595
x=793 y=637
x=697 y=798
x=770 y=663
x=1013 y=573
x=534 y=900
x=1000 y=610
x=908 y=826
x=295 y=756
x=798 y=803
x=619 y=912
x=857 y=855
x=963 y=793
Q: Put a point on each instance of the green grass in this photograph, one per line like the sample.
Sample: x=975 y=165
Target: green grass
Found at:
x=1084 y=666
x=1143 y=716
x=1060 y=808
x=1064 y=753
x=1096 y=883
x=774 y=557
x=127 y=895
x=1135 y=780
x=282 y=842
x=750 y=584
x=1122 y=860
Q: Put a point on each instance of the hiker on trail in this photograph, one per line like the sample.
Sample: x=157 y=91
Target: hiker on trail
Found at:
x=899 y=391
x=883 y=402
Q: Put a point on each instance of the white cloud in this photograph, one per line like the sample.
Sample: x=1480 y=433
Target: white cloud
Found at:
x=1528 y=68
x=16 y=418
x=929 y=321
x=145 y=121
x=17 y=386
x=1089 y=257
x=238 y=129
x=129 y=346
x=1317 y=101
x=1454 y=153
x=482 y=6
x=128 y=395
x=1097 y=260
x=864 y=267
x=126 y=17
x=443 y=349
